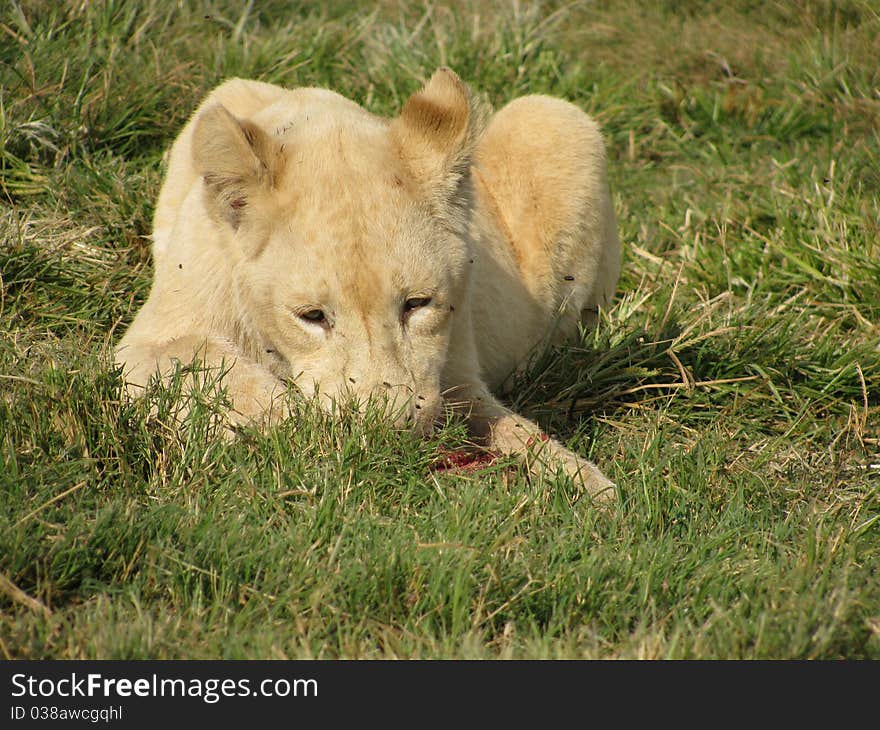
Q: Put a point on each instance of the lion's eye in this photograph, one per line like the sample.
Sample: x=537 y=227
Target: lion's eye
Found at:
x=315 y=316
x=415 y=303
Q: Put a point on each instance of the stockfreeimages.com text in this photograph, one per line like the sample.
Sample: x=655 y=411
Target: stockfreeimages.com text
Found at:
x=209 y=690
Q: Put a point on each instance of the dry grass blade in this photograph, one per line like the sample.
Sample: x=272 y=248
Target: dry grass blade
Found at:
x=16 y=595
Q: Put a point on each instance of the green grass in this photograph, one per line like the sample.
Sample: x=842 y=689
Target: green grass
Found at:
x=733 y=392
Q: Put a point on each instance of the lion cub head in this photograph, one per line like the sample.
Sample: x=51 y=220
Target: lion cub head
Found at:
x=347 y=237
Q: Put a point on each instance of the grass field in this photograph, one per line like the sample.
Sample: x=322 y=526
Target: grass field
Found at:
x=732 y=392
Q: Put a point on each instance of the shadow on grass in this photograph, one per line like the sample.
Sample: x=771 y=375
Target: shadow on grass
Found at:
x=566 y=386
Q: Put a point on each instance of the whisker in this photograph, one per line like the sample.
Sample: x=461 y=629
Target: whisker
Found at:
x=452 y=389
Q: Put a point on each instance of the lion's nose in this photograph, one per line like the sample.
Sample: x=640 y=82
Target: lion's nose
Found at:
x=390 y=399
x=398 y=403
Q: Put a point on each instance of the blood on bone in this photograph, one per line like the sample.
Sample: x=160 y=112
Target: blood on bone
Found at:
x=464 y=459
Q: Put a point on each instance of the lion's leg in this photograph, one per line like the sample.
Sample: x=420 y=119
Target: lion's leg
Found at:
x=501 y=430
x=254 y=392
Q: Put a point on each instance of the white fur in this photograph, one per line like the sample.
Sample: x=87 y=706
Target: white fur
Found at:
x=278 y=204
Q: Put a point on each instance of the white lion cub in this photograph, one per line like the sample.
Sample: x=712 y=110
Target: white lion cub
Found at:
x=299 y=238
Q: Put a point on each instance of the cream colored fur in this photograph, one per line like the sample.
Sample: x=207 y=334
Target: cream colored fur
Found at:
x=298 y=238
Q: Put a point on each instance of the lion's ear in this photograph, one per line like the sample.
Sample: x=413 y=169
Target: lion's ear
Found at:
x=435 y=136
x=236 y=159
